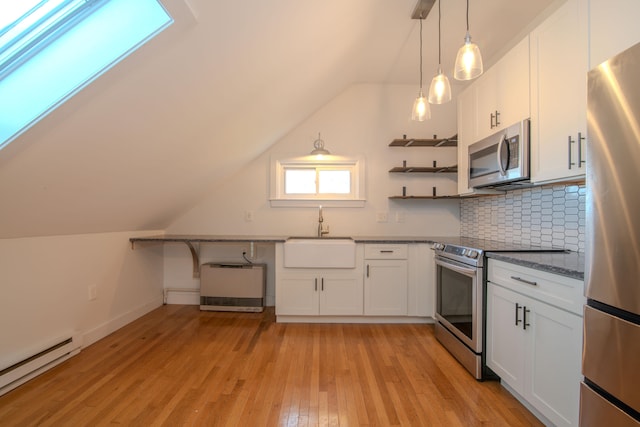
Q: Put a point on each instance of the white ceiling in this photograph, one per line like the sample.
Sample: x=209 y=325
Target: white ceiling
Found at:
x=147 y=139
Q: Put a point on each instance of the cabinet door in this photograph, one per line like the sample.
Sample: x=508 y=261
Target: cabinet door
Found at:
x=385 y=287
x=466 y=135
x=553 y=365
x=297 y=295
x=502 y=93
x=559 y=63
x=506 y=340
x=513 y=85
x=486 y=103
x=340 y=295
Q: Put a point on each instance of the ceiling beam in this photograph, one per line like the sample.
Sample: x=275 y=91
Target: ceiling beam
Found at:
x=422 y=9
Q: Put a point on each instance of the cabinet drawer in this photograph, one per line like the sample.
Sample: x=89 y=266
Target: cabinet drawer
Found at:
x=560 y=291
x=386 y=251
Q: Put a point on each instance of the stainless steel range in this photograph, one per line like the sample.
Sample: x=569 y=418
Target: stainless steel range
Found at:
x=460 y=296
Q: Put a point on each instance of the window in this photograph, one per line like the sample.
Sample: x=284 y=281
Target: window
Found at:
x=304 y=181
x=50 y=49
x=316 y=181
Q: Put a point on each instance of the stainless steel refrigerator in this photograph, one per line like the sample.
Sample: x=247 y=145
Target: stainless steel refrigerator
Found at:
x=610 y=393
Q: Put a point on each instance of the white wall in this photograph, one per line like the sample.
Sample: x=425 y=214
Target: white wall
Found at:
x=44 y=285
x=364 y=119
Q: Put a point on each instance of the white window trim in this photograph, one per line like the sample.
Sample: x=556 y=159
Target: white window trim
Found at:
x=278 y=198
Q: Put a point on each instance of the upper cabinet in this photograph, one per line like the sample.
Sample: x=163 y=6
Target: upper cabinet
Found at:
x=559 y=63
x=502 y=92
x=496 y=100
x=613 y=27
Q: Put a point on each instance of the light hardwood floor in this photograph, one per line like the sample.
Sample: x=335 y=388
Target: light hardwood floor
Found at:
x=180 y=366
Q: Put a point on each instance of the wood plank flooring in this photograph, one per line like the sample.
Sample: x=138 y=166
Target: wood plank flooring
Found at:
x=179 y=366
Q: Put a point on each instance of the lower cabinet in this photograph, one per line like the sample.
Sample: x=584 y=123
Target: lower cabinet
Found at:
x=393 y=282
x=535 y=347
x=320 y=292
x=385 y=287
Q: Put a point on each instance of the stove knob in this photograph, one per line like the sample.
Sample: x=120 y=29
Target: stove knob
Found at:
x=473 y=254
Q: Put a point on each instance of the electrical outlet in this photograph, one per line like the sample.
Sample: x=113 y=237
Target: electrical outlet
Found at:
x=382 y=217
x=399 y=216
x=248 y=216
x=92 y=292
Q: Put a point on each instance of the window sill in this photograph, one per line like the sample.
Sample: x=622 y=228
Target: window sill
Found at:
x=326 y=203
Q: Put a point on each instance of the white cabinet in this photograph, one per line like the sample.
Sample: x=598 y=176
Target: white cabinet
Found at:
x=497 y=99
x=466 y=135
x=559 y=63
x=392 y=282
x=385 y=279
x=319 y=292
x=502 y=92
x=307 y=291
x=532 y=344
x=613 y=27
x=422 y=279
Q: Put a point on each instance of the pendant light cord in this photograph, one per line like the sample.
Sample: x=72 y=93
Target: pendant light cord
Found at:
x=440 y=35
x=421 y=52
x=467 y=16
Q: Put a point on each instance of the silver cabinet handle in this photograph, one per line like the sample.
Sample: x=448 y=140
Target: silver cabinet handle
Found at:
x=528 y=282
x=316 y=287
x=569 y=142
x=322 y=282
x=367 y=270
x=491 y=120
x=525 y=310
x=386 y=252
x=497 y=118
x=580 y=160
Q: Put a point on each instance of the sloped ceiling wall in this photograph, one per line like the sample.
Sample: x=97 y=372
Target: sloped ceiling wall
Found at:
x=146 y=140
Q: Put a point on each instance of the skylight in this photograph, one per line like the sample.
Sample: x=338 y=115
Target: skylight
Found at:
x=50 y=49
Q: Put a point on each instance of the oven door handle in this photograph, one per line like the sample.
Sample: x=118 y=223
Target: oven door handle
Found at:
x=467 y=271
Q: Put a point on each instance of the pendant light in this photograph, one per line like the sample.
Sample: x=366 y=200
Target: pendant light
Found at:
x=440 y=89
x=469 y=61
x=421 y=110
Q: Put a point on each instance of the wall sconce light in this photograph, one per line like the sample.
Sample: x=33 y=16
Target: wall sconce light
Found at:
x=469 y=61
x=318 y=148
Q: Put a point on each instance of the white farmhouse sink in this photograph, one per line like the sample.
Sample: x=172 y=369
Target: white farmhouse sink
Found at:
x=320 y=253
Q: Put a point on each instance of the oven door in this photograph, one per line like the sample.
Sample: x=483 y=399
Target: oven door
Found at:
x=459 y=301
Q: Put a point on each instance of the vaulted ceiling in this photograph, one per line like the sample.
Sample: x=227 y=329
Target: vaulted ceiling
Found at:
x=147 y=139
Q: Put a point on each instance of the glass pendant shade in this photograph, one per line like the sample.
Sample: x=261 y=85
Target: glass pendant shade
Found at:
x=440 y=89
x=469 y=61
x=421 y=110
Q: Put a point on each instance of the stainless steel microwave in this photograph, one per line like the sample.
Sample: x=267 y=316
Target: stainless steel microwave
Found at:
x=502 y=158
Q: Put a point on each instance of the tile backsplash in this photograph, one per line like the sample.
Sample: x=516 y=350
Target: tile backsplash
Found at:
x=543 y=216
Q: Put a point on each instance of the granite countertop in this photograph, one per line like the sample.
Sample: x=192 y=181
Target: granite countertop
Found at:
x=279 y=239
x=570 y=264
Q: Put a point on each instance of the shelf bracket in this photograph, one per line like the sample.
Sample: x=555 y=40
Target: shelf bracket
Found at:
x=196 y=259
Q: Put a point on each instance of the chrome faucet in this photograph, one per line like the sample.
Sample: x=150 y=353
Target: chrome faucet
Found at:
x=321 y=230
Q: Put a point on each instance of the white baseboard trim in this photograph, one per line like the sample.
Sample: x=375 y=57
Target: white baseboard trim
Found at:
x=353 y=319
x=113 y=325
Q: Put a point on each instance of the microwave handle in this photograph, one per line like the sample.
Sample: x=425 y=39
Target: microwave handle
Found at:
x=503 y=168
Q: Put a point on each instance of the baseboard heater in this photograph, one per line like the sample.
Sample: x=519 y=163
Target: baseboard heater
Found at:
x=26 y=369
x=232 y=287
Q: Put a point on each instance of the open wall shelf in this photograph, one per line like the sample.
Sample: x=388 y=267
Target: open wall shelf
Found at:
x=433 y=142
x=421 y=169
